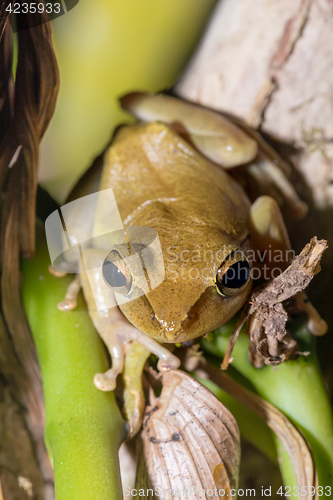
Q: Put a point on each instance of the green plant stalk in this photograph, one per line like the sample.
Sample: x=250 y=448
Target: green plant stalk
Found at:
x=84 y=427
x=294 y=387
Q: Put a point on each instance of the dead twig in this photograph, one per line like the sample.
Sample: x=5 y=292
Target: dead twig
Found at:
x=270 y=343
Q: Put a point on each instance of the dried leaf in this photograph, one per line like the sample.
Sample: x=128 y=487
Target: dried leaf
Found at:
x=294 y=442
x=270 y=342
x=191 y=441
x=4 y=15
x=6 y=100
x=18 y=448
x=26 y=111
x=142 y=479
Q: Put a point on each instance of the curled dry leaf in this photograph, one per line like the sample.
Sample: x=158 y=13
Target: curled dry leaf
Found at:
x=26 y=108
x=270 y=343
x=191 y=442
x=293 y=441
x=4 y=14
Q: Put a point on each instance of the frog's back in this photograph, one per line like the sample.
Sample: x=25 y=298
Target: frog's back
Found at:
x=160 y=181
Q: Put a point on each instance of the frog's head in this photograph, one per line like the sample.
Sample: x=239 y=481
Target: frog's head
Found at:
x=201 y=290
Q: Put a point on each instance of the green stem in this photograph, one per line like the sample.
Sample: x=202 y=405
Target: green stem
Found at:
x=294 y=387
x=84 y=427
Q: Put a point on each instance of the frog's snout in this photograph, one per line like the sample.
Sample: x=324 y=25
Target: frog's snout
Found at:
x=169 y=321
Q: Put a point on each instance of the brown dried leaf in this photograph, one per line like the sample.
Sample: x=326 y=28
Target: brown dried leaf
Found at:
x=294 y=442
x=191 y=440
x=16 y=450
x=26 y=111
x=142 y=479
x=4 y=15
x=6 y=100
x=270 y=342
x=36 y=89
x=294 y=279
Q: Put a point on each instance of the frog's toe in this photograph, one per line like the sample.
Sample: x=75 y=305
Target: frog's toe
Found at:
x=70 y=302
x=105 y=381
x=317 y=326
x=170 y=363
x=67 y=305
x=56 y=274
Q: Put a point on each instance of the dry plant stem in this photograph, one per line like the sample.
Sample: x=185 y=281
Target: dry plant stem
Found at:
x=298 y=450
x=270 y=342
x=233 y=338
x=84 y=427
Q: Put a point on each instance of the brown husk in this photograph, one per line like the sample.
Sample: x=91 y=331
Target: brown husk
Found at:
x=191 y=440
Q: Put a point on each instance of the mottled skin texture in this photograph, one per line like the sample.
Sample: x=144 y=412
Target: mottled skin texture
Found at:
x=196 y=208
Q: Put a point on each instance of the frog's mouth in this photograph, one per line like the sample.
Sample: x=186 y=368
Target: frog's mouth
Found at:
x=209 y=312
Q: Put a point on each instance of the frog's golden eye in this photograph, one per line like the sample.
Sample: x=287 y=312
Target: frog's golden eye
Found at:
x=234 y=274
x=116 y=273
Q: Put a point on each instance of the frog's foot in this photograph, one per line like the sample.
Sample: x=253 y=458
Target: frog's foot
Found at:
x=316 y=324
x=70 y=301
x=167 y=360
x=269 y=237
x=107 y=381
x=116 y=346
x=56 y=274
x=265 y=171
x=214 y=135
x=129 y=349
x=116 y=332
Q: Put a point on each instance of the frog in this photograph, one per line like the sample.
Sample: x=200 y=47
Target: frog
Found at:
x=169 y=173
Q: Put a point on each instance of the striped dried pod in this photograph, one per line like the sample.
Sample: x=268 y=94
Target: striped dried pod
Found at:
x=191 y=442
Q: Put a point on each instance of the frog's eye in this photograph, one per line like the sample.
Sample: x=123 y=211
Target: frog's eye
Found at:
x=116 y=273
x=234 y=274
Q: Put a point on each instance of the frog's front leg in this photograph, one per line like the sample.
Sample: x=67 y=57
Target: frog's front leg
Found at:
x=115 y=330
x=121 y=338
